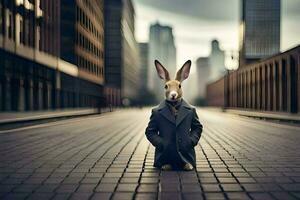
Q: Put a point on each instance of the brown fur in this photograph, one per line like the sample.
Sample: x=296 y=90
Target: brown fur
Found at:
x=173 y=85
x=173 y=90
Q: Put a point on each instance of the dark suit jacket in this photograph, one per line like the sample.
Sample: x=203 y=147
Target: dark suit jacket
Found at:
x=181 y=134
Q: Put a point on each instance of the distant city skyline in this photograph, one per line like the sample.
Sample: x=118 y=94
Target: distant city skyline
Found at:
x=198 y=22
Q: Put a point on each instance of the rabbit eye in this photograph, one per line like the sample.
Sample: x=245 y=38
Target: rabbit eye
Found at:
x=166 y=86
x=179 y=85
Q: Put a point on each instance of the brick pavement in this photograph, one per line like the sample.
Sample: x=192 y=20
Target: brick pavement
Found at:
x=108 y=157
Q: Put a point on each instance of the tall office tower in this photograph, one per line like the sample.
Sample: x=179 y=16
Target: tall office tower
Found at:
x=162 y=48
x=259 y=30
x=144 y=53
x=122 y=68
x=82 y=43
x=203 y=75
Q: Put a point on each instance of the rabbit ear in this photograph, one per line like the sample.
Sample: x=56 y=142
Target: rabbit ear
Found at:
x=184 y=72
x=161 y=71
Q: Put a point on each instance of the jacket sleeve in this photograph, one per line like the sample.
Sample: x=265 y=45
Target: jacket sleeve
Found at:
x=196 y=129
x=152 y=132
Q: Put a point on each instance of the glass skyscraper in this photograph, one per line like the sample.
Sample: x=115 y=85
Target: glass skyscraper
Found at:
x=259 y=29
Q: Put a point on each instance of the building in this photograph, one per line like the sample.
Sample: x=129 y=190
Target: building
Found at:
x=203 y=74
x=162 y=48
x=190 y=88
x=259 y=29
x=33 y=76
x=209 y=69
x=82 y=44
x=145 y=96
x=122 y=68
x=216 y=61
x=144 y=61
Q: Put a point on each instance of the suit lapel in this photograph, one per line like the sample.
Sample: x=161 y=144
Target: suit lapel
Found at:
x=165 y=111
x=182 y=112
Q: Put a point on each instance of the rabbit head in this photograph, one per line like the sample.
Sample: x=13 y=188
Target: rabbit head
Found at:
x=173 y=89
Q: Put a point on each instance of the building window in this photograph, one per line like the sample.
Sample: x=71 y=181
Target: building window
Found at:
x=9 y=24
x=26 y=32
x=1 y=19
x=38 y=37
x=21 y=33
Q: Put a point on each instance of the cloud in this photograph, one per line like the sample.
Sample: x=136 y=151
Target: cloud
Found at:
x=211 y=10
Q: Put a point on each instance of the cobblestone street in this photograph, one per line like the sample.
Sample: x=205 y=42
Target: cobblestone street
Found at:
x=108 y=157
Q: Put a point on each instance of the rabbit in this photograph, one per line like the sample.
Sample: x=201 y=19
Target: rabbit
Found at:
x=174 y=128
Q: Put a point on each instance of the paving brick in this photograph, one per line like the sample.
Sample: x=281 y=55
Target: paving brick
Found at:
x=130 y=180
x=66 y=188
x=62 y=196
x=211 y=187
x=261 y=196
x=283 y=195
x=101 y=196
x=294 y=187
x=110 y=180
x=269 y=187
x=227 y=180
x=191 y=188
x=169 y=195
x=90 y=180
x=169 y=187
x=72 y=180
x=193 y=196
x=16 y=196
x=106 y=187
x=80 y=196
x=237 y=196
x=145 y=196
x=122 y=196
x=43 y=196
x=29 y=188
x=86 y=188
x=215 y=196
x=126 y=187
x=208 y=180
x=231 y=187
x=147 y=188
x=149 y=180
x=253 y=187
x=47 y=188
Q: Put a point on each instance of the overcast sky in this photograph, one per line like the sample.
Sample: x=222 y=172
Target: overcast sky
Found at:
x=197 y=22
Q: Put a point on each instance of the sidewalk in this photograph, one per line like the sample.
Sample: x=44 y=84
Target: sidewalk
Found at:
x=281 y=116
x=269 y=115
x=22 y=117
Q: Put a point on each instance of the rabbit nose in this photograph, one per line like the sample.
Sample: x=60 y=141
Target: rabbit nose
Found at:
x=173 y=94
